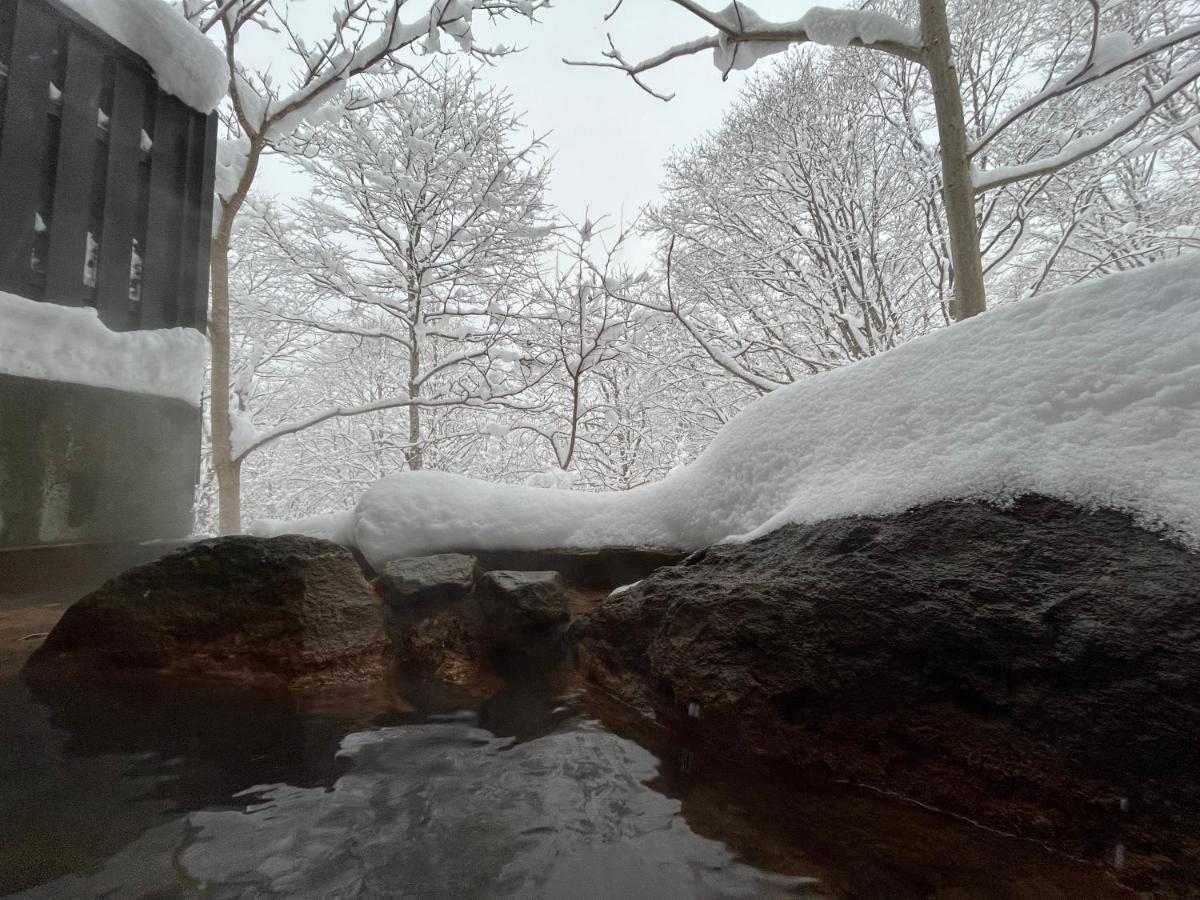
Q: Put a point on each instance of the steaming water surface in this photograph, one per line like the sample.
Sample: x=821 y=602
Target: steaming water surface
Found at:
x=146 y=788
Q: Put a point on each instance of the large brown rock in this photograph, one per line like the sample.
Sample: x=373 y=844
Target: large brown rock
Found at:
x=527 y=614
x=292 y=608
x=1036 y=668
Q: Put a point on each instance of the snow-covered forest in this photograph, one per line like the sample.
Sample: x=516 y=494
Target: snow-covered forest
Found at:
x=418 y=302
x=599 y=448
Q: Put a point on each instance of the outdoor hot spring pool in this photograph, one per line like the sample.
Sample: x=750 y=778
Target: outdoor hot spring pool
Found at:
x=148 y=788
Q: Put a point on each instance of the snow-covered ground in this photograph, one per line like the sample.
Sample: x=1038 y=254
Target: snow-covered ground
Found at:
x=1090 y=394
x=71 y=344
x=186 y=64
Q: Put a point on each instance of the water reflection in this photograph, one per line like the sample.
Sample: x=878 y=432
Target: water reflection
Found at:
x=559 y=807
x=146 y=787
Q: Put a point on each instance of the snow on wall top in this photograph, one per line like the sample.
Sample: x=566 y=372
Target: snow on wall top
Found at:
x=71 y=344
x=186 y=64
x=1090 y=394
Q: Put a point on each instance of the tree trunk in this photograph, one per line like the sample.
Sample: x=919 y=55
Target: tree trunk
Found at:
x=958 y=193
x=413 y=453
x=228 y=471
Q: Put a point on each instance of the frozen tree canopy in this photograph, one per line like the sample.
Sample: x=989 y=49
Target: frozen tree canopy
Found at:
x=1090 y=394
x=186 y=63
x=420 y=305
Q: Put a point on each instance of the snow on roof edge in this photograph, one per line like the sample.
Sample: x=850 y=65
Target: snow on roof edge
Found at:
x=71 y=345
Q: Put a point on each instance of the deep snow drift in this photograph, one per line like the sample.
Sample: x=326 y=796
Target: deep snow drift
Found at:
x=1090 y=394
x=70 y=343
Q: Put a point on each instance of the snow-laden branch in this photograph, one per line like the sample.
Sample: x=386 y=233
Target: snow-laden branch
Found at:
x=450 y=362
x=1087 y=145
x=1109 y=54
x=719 y=356
x=743 y=37
x=339 y=412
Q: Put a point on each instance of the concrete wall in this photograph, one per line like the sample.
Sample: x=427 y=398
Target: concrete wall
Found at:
x=92 y=465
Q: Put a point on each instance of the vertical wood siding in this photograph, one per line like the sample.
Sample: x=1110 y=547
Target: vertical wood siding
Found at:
x=106 y=183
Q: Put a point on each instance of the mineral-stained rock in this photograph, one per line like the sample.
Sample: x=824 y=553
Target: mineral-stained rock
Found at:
x=1035 y=667
x=526 y=612
x=415 y=586
x=292 y=608
x=443 y=621
x=431 y=616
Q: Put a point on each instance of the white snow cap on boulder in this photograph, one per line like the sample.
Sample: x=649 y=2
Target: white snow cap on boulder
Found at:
x=1090 y=394
x=186 y=64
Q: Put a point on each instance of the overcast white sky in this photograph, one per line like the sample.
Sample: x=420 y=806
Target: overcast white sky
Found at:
x=608 y=137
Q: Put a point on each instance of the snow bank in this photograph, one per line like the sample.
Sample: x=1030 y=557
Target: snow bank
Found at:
x=71 y=344
x=1090 y=394
x=186 y=63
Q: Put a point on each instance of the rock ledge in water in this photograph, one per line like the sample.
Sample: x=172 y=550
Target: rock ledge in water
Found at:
x=1035 y=667
x=292 y=608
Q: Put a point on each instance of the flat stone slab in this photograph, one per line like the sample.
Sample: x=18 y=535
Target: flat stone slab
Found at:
x=523 y=600
x=424 y=581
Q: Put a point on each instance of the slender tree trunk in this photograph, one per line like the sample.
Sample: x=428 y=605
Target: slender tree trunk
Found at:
x=958 y=194
x=228 y=470
x=413 y=453
x=565 y=460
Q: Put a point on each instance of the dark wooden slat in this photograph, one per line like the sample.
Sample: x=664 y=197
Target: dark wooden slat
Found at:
x=189 y=234
x=196 y=243
x=149 y=116
x=8 y=19
x=23 y=143
x=77 y=150
x=203 y=246
x=164 y=223
x=120 y=198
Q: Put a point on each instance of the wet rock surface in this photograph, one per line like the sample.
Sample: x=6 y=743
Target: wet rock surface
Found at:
x=526 y=613
x=597 y=569
x=1035 y=668
x=445 y=618
x=290 y=608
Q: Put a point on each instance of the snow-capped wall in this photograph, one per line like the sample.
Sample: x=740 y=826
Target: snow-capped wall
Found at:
x=71 y=344
x=1090 y=394
x=186 y=63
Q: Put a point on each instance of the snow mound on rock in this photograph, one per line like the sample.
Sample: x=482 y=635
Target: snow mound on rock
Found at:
x=1090 y=394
